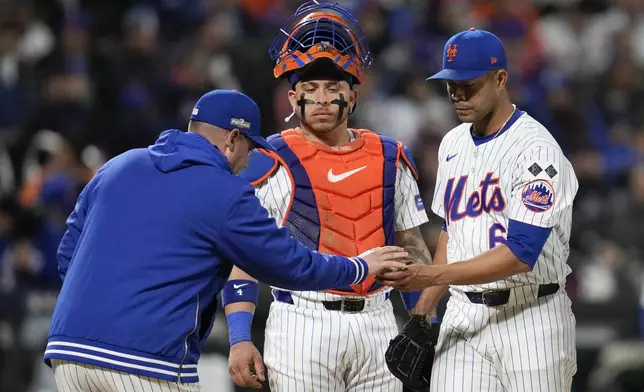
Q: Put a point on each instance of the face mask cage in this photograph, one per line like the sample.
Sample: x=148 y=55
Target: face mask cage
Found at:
x=321 y=29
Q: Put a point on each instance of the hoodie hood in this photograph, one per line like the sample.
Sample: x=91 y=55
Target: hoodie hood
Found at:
x=175 y=150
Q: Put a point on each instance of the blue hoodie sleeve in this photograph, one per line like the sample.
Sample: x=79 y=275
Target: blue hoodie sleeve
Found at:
x=251 y=240
x=75 y=223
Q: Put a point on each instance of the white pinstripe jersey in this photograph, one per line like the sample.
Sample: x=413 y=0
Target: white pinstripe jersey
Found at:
x=275 y=193
x=520 y=174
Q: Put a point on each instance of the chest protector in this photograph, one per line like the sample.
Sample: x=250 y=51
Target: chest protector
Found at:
x=342 y=198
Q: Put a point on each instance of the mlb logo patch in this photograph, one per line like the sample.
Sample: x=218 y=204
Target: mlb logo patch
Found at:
x=195 y=111
x=538 y=196
x=419 y=203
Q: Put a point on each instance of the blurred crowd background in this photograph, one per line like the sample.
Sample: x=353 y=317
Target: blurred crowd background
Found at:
x=81 y=81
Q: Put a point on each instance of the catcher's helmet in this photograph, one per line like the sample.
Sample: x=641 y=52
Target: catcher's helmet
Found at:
x=321 y=29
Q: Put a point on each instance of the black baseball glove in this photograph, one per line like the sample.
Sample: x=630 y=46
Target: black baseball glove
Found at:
x=410 y=355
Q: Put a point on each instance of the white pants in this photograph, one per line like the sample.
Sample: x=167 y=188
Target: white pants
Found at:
x=312 y=349
x=78 y=377
x=525 y=346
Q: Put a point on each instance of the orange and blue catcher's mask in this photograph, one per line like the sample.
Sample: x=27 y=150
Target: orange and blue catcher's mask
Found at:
x=321 y=29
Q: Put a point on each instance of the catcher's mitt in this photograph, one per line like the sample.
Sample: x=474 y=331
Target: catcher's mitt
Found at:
x=410 y=355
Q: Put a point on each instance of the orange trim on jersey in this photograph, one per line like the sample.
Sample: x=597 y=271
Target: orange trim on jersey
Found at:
x=398 y=154
x=401 y=152
x=350 y=208
x=290 y=176
x=269 y=173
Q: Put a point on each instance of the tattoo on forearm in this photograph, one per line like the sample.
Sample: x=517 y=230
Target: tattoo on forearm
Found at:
x=412 y=241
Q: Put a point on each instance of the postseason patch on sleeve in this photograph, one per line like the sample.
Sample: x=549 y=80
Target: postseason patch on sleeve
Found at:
x=419 y=203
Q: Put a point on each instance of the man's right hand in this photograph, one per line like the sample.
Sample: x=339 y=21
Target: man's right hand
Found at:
x=386 y=259
x=245 y=365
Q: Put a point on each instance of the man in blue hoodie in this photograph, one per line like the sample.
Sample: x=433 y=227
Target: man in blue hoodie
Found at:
x=151 y=242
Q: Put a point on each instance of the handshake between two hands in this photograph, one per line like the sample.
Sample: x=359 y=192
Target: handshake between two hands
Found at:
x=391 y=265
x=394 y=267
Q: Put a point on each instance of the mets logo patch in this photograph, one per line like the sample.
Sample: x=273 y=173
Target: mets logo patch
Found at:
x=419 y=203
x=538 y=196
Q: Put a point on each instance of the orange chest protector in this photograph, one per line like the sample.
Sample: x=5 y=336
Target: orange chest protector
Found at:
x=342 y=198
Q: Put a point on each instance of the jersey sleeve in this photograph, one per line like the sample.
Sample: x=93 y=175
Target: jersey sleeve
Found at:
x=544 y=185
x=409 y=208
x=274 y=194
x=266 y=198
x=437 y=199
x=261 y=165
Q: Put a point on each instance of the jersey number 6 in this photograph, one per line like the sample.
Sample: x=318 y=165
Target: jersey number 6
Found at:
x=496 y=234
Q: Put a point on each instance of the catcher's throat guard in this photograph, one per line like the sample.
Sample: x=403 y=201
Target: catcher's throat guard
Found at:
x=410 y=355
x=321 y=29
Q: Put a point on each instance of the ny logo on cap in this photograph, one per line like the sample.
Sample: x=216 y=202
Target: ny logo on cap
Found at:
x=239 y=122
x=452 y=50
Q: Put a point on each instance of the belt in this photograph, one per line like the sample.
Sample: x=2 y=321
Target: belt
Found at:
x=501 y=297
x=348 y=305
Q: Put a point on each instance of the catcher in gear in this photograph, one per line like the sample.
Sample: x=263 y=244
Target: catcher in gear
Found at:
x=332 y=187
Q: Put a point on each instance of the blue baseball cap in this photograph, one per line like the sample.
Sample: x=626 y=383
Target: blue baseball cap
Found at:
x=230 y=109
x=470 y=54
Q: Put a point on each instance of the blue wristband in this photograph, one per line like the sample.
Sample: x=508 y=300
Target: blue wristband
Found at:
x=435 y=320
x=239 y=325
x=239 y=290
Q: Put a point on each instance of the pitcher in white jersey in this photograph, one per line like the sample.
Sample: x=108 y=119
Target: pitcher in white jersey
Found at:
x=333 y=188
x=505 y=191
